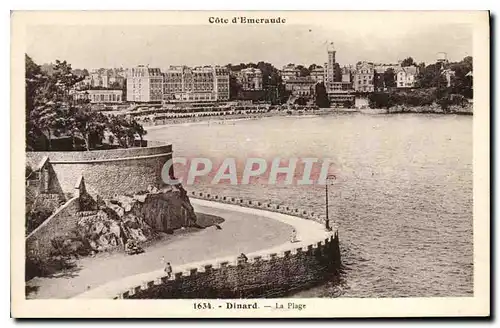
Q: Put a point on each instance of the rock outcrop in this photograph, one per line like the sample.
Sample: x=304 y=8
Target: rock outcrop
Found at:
x=109 y=223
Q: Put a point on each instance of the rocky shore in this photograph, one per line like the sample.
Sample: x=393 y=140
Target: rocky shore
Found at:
x=432 y=109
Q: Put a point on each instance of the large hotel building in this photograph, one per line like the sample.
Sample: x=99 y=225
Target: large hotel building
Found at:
x=198 y=84
x=178 y=84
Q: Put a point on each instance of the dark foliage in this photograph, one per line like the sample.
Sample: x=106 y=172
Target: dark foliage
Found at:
x=321 y=96
x=52 y=113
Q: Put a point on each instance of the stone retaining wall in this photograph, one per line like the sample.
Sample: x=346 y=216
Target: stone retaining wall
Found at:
x=64 y=219
x=106 y=172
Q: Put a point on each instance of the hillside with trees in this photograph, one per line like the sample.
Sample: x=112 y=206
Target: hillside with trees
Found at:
x=272 y=85
x=431 y=86
x=52 y=114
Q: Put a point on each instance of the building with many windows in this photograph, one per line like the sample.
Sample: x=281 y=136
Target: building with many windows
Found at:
x=289 y=72
x=250 y=79
x=318 y=74
x=104 y=96
x=198 y=84
x=301 y=86
x=363 y=77
x=144 y=84
x=221 y=83
x=99 y=78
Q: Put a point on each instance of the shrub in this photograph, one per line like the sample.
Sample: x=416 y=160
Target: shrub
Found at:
x=36 y=267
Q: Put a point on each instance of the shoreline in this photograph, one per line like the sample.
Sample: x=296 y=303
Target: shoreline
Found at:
x=217 y=119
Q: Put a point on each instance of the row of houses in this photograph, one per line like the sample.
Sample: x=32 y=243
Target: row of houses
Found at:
x=361 y=77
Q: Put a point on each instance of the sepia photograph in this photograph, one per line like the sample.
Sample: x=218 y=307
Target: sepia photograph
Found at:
x=250 y=164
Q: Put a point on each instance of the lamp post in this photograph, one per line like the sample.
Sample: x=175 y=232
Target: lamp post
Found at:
x=329 y=178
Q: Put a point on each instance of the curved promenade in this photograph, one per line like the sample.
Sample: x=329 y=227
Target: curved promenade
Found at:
x=285 y=266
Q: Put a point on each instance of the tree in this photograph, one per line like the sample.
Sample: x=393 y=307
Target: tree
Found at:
x=380 y=100
x=234 y=87
x=124 y=88
x=303 y=71
x=271 y=80
x=270 y=74
x=43 y=112
x=378 y=81
x=88 y=126
x=321 y=96
x=461 y=83
x=337 y=73
x=52 y=111
x=408 y=62
x=431 y=77
x=115 y=85
x=389 y=78
x=138 y=130
x=283 y=93
x=313 y=67
x=64 y=79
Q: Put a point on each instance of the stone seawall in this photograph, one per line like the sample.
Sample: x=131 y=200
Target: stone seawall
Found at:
x=106 y=172
x=270 y=275
x=284 y=209
x=273 y=272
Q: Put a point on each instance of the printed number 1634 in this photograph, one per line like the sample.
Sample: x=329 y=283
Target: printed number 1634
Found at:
x=202 y=306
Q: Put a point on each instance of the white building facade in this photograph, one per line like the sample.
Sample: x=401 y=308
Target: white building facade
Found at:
x=144 y=84
x=406 y=77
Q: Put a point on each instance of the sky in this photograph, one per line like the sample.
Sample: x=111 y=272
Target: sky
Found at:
x=94 y=46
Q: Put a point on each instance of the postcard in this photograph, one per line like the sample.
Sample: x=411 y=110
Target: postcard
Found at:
x=259 y=164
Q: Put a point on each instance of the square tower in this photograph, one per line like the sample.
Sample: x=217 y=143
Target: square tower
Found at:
x=330 y=67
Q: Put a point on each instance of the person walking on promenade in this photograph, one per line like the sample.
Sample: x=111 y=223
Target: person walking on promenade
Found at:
x=166 y=267
x=168 y=270
x=293 y=237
